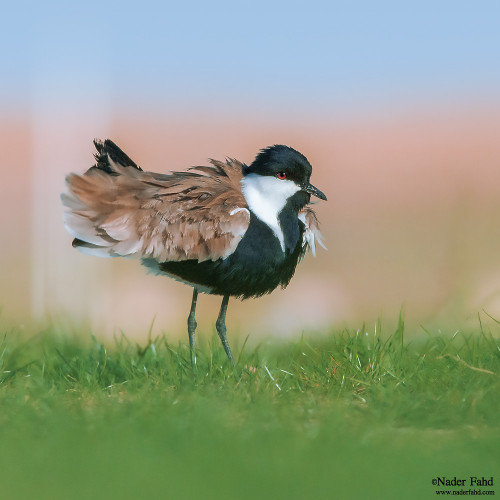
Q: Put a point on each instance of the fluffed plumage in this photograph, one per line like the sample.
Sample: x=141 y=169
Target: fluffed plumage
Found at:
x=117 y=209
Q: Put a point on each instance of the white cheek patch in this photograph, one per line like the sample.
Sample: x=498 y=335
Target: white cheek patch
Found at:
x=266 y=196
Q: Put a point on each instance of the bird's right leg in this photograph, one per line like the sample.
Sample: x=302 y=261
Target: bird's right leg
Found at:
x=192 y=328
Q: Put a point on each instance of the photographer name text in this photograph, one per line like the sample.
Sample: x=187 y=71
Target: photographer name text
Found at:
x=455 y=481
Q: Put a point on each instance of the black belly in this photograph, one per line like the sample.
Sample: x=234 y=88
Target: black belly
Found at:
x=257 y=266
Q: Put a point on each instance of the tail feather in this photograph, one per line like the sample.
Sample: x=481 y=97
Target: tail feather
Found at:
x=82 y=229
x=107 y=151
x=72 y=202
x=91 y=199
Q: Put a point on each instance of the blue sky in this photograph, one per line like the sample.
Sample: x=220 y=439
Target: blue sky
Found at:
x=263 y=53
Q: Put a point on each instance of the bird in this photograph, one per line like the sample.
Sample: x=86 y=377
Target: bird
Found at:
x=226 y=228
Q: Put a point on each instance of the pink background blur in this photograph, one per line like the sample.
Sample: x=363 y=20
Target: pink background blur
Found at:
x=411 y=220
x=398 y=112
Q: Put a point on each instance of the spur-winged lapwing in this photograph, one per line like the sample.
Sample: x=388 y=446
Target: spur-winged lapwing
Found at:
x=226 y=229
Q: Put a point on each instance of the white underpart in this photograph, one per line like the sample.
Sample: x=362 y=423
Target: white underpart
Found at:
x=266 y=196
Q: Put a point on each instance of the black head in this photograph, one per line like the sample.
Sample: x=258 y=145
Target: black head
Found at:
x=284 y=163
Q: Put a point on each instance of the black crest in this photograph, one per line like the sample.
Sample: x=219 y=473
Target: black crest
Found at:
x=279 y=158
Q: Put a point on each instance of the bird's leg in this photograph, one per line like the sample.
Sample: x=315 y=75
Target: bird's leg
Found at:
x=192 y=328
x=221 y=327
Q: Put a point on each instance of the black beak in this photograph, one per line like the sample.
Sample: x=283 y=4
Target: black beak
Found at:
x=309 y=188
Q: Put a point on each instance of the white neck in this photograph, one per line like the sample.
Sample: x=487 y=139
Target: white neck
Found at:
x=266 y=197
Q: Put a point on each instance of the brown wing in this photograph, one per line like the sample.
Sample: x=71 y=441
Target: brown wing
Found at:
x=120 y=210
x=312 y=233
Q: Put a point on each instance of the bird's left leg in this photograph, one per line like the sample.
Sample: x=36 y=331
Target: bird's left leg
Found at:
x=192 y=327
x=221 y=327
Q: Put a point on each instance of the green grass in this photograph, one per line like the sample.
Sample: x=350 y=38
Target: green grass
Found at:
x=348 y=415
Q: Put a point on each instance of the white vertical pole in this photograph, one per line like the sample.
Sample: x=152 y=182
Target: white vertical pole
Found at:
x=70 y=107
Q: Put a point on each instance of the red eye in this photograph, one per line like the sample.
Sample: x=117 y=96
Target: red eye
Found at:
x=281 y=175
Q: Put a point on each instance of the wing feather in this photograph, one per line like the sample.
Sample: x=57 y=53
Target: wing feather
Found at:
x=117 y=209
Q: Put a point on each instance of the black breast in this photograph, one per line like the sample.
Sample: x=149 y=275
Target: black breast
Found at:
x=257 y=266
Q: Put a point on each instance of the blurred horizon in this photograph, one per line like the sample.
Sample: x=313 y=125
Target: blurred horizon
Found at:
x=396 y=106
